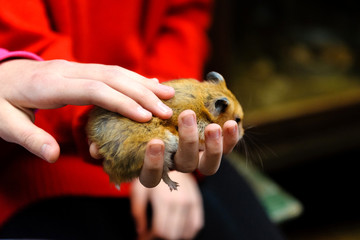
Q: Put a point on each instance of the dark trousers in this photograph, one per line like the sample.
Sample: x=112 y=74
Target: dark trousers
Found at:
x=231 y=212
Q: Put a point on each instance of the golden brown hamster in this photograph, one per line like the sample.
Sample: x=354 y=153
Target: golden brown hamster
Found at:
x=122 y=142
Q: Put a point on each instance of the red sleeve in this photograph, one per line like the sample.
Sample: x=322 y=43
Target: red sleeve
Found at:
x=175 y=42
x=178 y=46
x=25 y=25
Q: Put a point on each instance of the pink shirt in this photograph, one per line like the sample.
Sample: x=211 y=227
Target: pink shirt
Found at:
x=5 y=54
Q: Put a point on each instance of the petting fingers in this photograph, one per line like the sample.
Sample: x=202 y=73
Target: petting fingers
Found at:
x=143 y=90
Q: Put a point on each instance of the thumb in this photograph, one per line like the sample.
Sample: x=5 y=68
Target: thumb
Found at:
x=39 y=142
x=17 y=127
x=139 y=198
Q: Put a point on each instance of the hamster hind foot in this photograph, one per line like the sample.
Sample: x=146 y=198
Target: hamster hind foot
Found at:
x=172 y=185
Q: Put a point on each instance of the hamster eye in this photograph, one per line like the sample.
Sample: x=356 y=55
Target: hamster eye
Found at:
x=237 y=120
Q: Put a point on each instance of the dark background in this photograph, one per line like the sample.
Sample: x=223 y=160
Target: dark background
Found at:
x=294 y=65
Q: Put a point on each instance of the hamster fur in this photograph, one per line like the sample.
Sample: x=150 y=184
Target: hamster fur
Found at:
x=122 y=142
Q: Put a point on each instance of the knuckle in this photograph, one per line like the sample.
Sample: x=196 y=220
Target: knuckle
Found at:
x=57 y=64
x=189 y=141
x=188 y=138
x=60 y=62
x=188 y=135
x=39 y=78
x=113 y=72
x=27 y=139
x=186 y=167
x=93 y=88
x=142 y=93
x=214 y=151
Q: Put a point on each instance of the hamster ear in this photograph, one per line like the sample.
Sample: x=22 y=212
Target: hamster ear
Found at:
x=214 y=77
x=220 y=105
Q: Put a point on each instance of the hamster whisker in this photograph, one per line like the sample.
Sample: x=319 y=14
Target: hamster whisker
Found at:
x=254 y=150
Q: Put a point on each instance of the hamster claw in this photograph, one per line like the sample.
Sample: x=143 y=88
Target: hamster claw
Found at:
x=172 y=185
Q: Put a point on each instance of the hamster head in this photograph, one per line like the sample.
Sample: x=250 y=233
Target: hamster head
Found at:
x=221 y=102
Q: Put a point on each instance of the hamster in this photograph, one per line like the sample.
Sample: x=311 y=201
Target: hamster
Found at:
x=122 y=142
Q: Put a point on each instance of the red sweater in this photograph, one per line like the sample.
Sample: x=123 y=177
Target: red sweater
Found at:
x=160 y=38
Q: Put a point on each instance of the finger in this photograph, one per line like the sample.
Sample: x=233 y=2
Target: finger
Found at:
x=161 y=216
x=176 y=222
x=138 y=200
x=69 y=89
x=134 y=101
x=98 y=71
x=152 y=169
x=94 y=151
x=84 y=92
x=144 y=96
x=143 y=90
x=231 y=135
x=16 y=127
x=211 y=158
x=187 y=156
x=195 y=221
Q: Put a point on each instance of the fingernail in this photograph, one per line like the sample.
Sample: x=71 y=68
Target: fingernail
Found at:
x=233 y=130
x=154 y=79
x=144 y=112
x=156 y=149
x=166 y=88
x=215 y=134
x=163 y=107
x=45 y=152
x=189 y=120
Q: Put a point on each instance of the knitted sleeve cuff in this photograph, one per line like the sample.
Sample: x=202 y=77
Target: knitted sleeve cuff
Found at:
x=6 y=55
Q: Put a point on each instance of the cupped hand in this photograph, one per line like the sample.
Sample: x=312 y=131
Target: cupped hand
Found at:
x=176 y=215
x=27 y=85
x=218 y=141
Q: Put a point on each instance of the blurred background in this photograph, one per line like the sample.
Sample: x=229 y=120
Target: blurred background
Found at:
x=295 y=67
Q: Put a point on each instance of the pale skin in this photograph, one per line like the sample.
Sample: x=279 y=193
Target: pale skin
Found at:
x=176 y=215
x=56 y=83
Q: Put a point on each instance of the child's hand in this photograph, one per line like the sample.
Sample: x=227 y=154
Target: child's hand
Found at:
x=28 y=84
x=218 y=141
x=176 y=215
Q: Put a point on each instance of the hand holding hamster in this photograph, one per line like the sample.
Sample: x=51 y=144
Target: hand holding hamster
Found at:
x=123 y=142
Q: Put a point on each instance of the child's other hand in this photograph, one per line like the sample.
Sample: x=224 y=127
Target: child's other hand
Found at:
x=176 y=215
